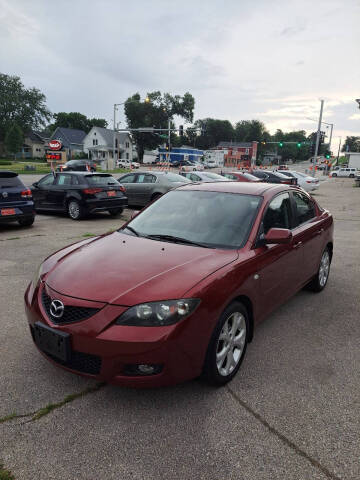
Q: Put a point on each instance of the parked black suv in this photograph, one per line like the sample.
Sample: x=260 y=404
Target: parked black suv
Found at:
x=16 y=203
x=81 y=165
x=79 y=193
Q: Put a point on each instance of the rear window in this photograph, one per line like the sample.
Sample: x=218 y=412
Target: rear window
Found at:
x=101 y=180
x=9 y=179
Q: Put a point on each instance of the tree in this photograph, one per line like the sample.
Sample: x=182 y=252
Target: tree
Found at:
x=25 y=107
x=155 y=111
x=352 y=144
x=250 y=131
x=212 y=131
x=14 y=139
x=76 y=120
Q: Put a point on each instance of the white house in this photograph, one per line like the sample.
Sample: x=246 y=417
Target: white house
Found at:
x=99 y=143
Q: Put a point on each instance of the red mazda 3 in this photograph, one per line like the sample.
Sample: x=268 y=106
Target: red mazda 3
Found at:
x=178 y=291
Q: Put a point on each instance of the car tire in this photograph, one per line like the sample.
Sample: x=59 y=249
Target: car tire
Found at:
x=26 y=222
x=227 y=345
x=75 y=210
x=334 y=175
x=318 y=283
x=351 y=175
x=116 y=211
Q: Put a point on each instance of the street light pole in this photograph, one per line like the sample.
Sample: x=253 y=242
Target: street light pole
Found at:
x=337 y=158
x=114 y=136
x=331 y=131
x=317 y=138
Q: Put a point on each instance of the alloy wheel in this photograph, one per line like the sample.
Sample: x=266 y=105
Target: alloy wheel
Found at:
x=324 y=268
x=231 y=343
x=74 y=209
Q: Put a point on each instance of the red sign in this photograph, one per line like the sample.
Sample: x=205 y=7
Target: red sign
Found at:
x=55 y=145
x=53 y=156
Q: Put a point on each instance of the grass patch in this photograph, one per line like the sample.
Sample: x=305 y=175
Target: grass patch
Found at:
x=5 y=474
x=69 y=398
x=87 y=234
x=7 y=418
x=13 y=238
x=19 y=167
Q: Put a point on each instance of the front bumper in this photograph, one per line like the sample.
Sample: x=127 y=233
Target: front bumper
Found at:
x=104 y=351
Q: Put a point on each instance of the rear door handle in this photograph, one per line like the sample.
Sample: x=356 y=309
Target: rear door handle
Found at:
x=319 y=232
x=297 y=245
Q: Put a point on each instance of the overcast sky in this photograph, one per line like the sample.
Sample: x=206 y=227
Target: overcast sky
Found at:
x=241 y=59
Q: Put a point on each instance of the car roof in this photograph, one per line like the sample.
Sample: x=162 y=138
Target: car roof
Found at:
x=7 y=174
x=89 y=174
x=247 y=188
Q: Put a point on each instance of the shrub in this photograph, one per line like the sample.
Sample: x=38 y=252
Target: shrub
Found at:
x=5 y=162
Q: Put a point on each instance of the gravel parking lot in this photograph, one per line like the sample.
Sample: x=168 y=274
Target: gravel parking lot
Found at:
x=292 y=412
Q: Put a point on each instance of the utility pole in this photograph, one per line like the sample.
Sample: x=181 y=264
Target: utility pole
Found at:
x=331 y=131
x=317 y=138
x=114 y=135
x=337 y=158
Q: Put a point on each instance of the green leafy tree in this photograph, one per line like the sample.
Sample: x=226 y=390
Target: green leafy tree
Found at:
x=76 y=120
x=250 y=131
x=14 y=139
x=25 y=107
x=352 y=144
x=155 y=111
x=212 y=131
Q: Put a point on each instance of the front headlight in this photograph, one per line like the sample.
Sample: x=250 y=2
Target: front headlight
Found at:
x=156 y=314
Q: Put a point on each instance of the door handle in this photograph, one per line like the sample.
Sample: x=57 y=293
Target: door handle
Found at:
x=319 y=232
x=297 y=245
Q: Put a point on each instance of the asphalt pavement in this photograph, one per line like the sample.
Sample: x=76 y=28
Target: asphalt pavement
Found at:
x=292 y=411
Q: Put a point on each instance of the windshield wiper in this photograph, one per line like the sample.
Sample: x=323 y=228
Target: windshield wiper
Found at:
x=174 y=239
x=132 y=230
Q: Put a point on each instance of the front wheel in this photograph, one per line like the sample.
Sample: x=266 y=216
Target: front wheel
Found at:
x=351 y=175
x=227 y=346
x=75 y=210
x=334 y=175
x=116 y=211
x=319 y=282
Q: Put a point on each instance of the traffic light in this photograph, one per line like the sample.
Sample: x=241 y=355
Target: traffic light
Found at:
x=312 y=148
x=327 y=154
x=281 y=144
x=322 y=138
x=181 y=130
x=298 y=144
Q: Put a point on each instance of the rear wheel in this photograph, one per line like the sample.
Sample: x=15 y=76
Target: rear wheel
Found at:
x=334 y=174
x=116 y=211
x=351 y=175
x=26 y=222
x=319 y=282
x=75 y=210
x=227 y=346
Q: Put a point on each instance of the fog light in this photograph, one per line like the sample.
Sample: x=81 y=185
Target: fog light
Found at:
x=142 y=369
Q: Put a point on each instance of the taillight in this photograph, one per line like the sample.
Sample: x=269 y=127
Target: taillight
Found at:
x=309 y=181
x=288 y=182
x=26 y=194
x=92 y=191
x=122 y=189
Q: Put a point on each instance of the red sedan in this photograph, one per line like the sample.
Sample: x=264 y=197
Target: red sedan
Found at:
x=178 y=291
x=241 y=177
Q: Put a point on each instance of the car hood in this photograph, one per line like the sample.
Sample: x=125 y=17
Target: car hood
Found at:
x=125 y=270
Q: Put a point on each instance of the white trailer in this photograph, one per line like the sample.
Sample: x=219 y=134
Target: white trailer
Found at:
x=216 y=156
x=353 y=159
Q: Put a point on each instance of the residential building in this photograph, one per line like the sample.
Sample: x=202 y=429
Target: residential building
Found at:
x=72 y=140
x=34 y=145
x=99 y=143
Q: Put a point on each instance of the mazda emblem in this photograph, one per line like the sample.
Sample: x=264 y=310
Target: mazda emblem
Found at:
x=5 y=194
x=57 y=308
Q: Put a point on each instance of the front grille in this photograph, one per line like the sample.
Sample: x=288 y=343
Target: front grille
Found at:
x=71 y=314
x=81 y=362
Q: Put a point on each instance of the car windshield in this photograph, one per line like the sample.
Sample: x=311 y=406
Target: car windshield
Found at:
x=101 y=180
x=174 y=177
x=212 y=219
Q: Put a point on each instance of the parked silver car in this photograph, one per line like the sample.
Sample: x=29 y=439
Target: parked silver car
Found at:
x=144 y=187
x=204 y=177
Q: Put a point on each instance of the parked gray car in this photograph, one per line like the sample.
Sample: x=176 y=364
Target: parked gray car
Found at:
x=144 y=187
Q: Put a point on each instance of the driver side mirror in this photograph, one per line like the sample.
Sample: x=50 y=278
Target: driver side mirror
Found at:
x=278 y=236
x=134 y=214
x=35 y=184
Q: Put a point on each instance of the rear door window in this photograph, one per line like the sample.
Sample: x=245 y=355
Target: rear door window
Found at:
x=63 y=179
x=128 y=178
